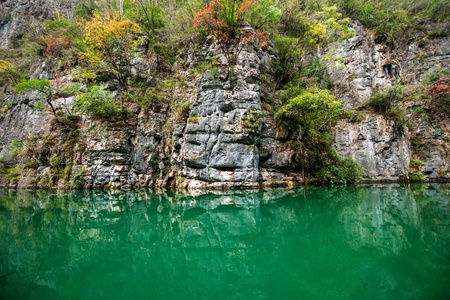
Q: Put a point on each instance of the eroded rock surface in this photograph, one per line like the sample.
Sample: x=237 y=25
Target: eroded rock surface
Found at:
x=377 y=144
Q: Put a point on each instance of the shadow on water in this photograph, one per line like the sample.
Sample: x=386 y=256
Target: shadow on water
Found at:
x=369 y=242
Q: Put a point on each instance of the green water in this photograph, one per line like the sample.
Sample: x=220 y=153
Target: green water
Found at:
x=385 y=242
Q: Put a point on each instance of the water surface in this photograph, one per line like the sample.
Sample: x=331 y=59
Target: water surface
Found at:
x=384 y=242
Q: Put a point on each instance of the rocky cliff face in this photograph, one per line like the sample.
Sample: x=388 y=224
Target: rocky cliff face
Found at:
x=18 y=17
x=377 y=144
x=224 y=143
x=382 y=148
x=227 y=144
x=226 y=140
x=368 y=63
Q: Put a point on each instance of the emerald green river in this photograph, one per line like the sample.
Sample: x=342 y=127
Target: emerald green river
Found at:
x=367 y=242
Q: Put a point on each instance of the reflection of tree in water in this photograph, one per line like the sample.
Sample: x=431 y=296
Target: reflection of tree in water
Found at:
x=204 y=245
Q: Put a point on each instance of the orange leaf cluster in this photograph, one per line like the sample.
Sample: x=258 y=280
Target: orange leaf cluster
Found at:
x=209 y=18
x=56 y=45
x=244 y=5
x=257 y=38
x=442 y=87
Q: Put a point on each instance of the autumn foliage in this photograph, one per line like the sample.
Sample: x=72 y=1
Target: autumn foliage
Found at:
x=56 y=45
x=440 y=93
x=111 y=34
x=441 y=88
x=111 y=44
x=221 y=19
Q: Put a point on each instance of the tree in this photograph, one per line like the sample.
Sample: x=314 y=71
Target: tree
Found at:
x=308 y=117
x=8 y=72
x=264 y=12
x=97 y=102
x=330 y=27
x=45 y=89
x=221 y=19
x=62 y=35
x=148 y=13
x=111 y=44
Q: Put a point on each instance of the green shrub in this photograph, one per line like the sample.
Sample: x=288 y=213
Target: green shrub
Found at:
x=312 y=111
x=386 y=102
x=287 y=51
x=27 y=86
x=15 y=146
x=251 y=119
x=31 y=164
x=77 y=178
x=9 y=72
x=393 y=17
x=214 y=72
x=339 y=171
x=414 y=172
x=183 y=110
x=98 y=102
x=55 y=161
x=85 y=10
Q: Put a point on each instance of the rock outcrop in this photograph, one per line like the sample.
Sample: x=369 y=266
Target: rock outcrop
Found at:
x=370 y=63
x=18 y=16
x=377 y=144
x=366 y=63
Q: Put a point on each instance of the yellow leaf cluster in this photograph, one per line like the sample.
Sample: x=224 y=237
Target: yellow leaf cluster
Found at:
x=102 y=31
x=317 y=32
x=6 y=67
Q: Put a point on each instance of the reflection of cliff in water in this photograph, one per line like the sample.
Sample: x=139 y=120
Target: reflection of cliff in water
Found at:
x=134 y=238
x=386 y=220
x=392 y=216
x=211 y=245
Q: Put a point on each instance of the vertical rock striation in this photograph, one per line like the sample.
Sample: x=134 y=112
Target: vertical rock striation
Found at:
x=219 y=148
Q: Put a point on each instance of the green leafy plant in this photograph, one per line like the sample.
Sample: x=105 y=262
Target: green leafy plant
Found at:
x=393 y=17
x=183 y=110
x=221 y=19
x=250 y=119
x=193 y=119
x=306 y=119
x=77 y=178
x=97 y=102
x=339 y=171
x=9 y=72
x=387 y=103
x=46 y=91
x=414 y=172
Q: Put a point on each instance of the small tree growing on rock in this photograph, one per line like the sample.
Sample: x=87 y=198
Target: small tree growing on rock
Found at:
x=111 y=45
x=221 y=19
x=307 y=117
x=43 y=86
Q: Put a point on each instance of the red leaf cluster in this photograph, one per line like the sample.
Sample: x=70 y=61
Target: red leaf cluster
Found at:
x=442 y=87
x=213 y=20
x=56 y=45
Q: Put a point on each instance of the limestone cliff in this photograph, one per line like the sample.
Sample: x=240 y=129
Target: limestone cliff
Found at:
x=224 y=139
x=384 y=149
